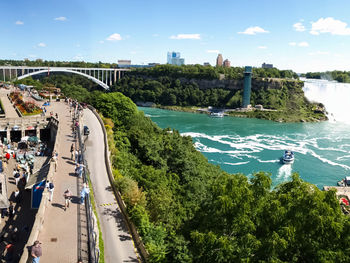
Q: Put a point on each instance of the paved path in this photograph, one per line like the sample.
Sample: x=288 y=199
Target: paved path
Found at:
x=59 y=235
x=10 y=112
x=117 y=240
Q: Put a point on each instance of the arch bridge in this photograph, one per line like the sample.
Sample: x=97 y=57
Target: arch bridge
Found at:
x=105 y=77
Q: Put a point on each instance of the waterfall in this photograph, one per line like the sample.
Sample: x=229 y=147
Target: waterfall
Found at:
x=333 y=95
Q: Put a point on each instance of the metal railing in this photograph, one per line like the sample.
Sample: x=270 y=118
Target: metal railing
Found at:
x=91 y=223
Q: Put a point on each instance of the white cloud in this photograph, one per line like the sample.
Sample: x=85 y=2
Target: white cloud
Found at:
x=18 y=22
x=77 y=45
x=300 y=44
x=186 y=36
x=303 y=44
x=155 y=35
x=133 y=52
x=213 y=51
x=41 y=45
x=114 y=37
x=32 y=56
x=60 y=18
x=330 y=25
x=299 y=27
x=319 y=53
x=262 y=47
x=253 y=30
x=101 y=41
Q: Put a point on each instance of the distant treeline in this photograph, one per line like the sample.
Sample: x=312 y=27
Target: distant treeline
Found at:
x=340 y=76
x=51 y=63
x=209 y=72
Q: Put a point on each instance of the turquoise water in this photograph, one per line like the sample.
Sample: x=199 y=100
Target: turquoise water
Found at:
x=239 y=145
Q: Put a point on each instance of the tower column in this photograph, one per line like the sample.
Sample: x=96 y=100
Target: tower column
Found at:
x=247 y=86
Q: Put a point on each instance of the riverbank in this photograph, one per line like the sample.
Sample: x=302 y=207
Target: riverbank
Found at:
x=272 y=115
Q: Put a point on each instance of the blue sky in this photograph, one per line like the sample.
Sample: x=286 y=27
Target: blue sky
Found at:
x=300 y=35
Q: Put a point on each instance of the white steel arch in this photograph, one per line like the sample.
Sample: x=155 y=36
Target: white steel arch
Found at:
x=105 y=86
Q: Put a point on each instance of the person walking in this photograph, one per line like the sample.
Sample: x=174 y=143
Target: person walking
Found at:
x=67 y=196
x=71 y=151
x=54 y=159
x=50 y=187
x=11 y=210
x=84 y=192
x=36 y=252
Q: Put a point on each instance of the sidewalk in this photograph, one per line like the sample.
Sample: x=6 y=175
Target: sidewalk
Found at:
x=60 y=233
x=10 y=112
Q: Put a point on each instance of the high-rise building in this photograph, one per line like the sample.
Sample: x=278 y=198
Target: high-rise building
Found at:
x=264 y=65
x=227 y=63
x=219 y=60
x=174 y=58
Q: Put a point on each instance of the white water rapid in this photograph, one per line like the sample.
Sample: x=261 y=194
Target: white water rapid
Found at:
x=335 y=96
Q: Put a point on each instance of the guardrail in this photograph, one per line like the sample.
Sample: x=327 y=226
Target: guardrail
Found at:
x=94 y=253
x=137 y=240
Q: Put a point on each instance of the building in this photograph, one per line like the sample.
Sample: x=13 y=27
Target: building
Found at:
x=227 y=63
x=219 y=60
x=247 y=86
x=124 y=62
x=173 y=58
x=264 y=65
x=206 y=64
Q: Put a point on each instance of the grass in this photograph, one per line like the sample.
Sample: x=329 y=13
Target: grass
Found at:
x=100 y=239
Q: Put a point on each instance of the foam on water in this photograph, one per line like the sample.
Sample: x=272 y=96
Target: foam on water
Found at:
x=284 y=172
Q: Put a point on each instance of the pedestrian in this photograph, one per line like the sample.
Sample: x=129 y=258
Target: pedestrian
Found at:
x=17 y=177
x=36 y=252
x=84 y=192
x=11 y=210
x=17 y=196
x=67 y=196
x=56 y=116
x=71 y=151
x=50 y=187
x=76 y=156
x=31 y=167
x=54 y=160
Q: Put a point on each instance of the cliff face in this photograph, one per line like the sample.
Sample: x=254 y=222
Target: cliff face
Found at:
x=235 y=84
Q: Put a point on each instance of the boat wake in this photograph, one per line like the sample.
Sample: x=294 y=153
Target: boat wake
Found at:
x=284 y=172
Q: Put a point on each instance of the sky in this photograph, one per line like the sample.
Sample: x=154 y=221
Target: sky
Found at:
x=302 y=35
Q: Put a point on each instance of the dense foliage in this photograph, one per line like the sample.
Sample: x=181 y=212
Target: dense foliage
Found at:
x=188 y=210
x=340 y=76
x=51 y=63
x=209 y=72
x=288 y=99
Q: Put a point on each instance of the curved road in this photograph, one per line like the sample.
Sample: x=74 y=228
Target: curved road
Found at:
x=117 y=240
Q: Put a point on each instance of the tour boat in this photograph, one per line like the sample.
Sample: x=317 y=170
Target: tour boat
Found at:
x=217 y=114
x=288 y=157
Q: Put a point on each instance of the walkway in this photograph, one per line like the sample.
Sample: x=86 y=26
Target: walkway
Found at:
x=10 y=112
x=117 y=240
x=60 y=233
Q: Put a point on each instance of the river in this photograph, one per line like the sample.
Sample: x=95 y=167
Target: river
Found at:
x=240 y=145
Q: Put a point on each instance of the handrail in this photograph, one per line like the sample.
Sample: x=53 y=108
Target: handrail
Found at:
x=92 y=236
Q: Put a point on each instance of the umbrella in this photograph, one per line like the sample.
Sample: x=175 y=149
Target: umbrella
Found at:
x=33 y=139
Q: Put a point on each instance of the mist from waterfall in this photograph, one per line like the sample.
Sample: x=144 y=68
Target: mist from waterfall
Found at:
x=333 y=95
